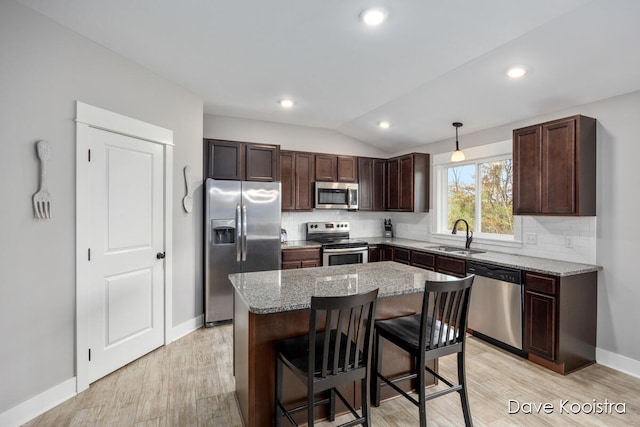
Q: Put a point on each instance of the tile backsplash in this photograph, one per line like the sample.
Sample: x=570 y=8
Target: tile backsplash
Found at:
x=363 y=224
x=562 y=238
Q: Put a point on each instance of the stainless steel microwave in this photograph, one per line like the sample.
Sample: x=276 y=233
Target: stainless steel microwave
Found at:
x=336 y=195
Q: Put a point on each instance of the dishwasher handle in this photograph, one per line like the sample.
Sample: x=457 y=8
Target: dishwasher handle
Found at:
x=496 y=272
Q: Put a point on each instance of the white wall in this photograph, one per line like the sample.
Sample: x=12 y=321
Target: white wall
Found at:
x=45 y=69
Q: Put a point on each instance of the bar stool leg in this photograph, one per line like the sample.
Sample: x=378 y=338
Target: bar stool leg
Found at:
x=366 y=400
x=464 y=400
x=422 y=408
x=311 y=409
x=378 y=381
x=332 y=405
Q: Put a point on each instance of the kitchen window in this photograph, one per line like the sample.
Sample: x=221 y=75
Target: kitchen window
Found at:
x=479 y=190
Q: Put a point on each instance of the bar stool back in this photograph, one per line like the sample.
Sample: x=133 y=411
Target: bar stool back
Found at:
x=439 y=330
x=336 y=351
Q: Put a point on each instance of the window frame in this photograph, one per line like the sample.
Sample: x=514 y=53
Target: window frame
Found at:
x=474 y=155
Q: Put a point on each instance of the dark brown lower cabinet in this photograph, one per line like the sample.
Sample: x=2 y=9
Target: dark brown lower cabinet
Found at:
x=402 y=255
x=423 y=260
x=560 y=318
x=379 y=253
x=541 y=321
x=560 y=312
x=301 y=258
x=450 y=265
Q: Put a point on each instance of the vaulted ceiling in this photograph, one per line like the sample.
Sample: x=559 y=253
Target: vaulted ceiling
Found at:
x=432 y=62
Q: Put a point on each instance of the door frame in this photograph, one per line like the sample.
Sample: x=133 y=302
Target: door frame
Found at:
x=88 y=116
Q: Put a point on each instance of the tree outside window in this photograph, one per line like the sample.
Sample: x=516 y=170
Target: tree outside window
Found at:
x=482 y=194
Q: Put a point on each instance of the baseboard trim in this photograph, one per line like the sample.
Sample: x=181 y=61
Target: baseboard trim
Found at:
x=618 y=362
x=187 y=327
x=39 y=404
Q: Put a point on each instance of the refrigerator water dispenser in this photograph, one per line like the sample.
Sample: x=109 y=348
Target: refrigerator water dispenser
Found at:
x=223 y=232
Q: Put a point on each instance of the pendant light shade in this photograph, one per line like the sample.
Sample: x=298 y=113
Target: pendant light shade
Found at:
x=458 y=155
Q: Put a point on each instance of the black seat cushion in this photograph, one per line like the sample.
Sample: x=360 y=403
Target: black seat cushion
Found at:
x=405 y=331
x=296 y=351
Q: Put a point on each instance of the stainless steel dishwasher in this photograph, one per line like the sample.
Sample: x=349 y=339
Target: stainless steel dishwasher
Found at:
x=495 y=312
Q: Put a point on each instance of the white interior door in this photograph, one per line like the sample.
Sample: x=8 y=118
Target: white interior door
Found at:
x=126 y=223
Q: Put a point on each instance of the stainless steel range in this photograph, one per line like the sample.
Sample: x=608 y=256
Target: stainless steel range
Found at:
x=337 y=247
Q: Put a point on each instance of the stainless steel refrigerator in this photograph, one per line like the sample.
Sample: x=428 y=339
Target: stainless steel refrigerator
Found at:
x=242 y=235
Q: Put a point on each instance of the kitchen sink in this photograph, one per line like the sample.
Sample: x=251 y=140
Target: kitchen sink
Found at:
x=456 y=250
x=467 y=252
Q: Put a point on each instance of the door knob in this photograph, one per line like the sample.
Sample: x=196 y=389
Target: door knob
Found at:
x=160 y=255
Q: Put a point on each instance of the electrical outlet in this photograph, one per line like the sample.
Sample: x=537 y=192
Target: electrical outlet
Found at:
x=568 y=242
x=531 y=238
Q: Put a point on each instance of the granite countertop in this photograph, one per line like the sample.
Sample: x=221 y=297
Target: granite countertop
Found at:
x=300 y=244
x=523 y=262
x=266 y=292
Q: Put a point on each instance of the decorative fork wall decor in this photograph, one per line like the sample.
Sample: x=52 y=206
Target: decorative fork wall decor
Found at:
x=42 y=199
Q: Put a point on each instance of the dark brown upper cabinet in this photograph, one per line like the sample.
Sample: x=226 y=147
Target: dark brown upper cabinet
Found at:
x=554 y=168
x=297 y=173
x=332 y=168
x=407 y=178
x=241 y=161
x=371 y=184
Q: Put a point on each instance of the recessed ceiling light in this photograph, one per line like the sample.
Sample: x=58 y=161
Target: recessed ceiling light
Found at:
x=516 y=72
x=286 y=103
x=374 y=16
x=384 y=124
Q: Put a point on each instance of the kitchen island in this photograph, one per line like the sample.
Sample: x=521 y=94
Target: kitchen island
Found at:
x=273 y=305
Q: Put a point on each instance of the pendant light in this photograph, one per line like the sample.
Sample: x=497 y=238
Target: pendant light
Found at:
x=458 y=155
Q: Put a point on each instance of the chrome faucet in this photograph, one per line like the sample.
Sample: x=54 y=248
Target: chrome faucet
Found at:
x=469 y=237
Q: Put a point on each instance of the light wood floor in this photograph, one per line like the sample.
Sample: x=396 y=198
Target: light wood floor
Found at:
x=190 y=383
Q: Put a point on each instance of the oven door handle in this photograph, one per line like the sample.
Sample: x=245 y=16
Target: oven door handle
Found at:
x=341 y=251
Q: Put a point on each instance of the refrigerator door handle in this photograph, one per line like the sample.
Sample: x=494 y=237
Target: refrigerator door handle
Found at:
x=244 y=232
x=238 y=231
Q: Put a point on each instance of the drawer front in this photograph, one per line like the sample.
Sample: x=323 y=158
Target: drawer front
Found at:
x=423 y=259
x=309 y=264
x=301 y=254
x=290 y=265
x=402 y=255
x=541 y=283
x=450 y=265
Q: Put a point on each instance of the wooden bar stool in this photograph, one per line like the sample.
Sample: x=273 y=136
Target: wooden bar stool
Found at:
x=439 y=330
x=337 y=351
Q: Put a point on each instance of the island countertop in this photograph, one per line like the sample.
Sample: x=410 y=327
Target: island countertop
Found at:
x=273 y=305
x=275 y=291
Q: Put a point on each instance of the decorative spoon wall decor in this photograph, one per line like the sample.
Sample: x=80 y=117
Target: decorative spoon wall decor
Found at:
x=187 y=201
x=42 y=199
